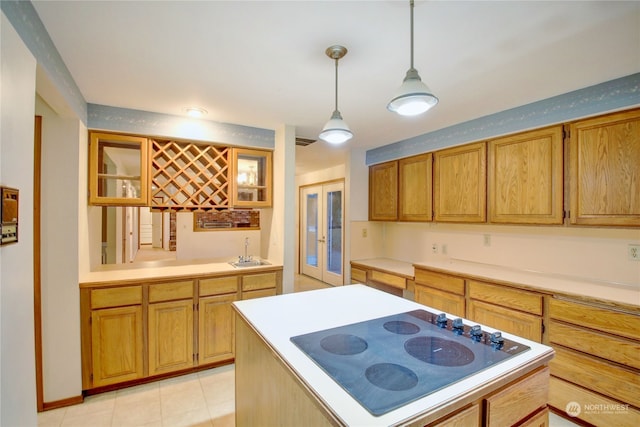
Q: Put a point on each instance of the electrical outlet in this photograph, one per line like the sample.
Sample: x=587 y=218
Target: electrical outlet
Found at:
x=634 y=252
x=444 y=249
x=487 y=239
x=434 y=248
x=364 y=232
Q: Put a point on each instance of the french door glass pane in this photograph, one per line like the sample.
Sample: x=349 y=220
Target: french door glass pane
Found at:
x=334 y=232
x=312 y=230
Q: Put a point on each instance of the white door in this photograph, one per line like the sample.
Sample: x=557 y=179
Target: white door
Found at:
x=322 y=232
x=146 y=224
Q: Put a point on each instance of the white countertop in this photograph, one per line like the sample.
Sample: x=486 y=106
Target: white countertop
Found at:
x=160 y=269
x=281 y=317
x=552 y=283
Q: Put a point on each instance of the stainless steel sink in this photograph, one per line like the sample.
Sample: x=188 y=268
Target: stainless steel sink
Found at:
x=249 y=263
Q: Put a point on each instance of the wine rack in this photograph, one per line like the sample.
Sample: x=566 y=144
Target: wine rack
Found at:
x=185 y=175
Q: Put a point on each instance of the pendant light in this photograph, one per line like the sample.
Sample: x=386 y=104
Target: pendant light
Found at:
x=413 y=97
x=336 y=130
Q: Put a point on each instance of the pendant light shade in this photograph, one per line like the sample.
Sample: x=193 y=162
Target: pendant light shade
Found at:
x=336 y=131
x=413 y=97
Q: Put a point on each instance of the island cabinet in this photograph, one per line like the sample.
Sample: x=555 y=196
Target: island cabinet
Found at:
x=136 y=330
x=505 y=308
x=440 y=291
x=605 y=170
x=525 y=177
x=596 y=371
x=460 y=184
x=277 y=384
x=383 y=192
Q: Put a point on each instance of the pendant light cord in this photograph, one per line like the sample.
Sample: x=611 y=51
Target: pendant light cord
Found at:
x=336 y=59
x=411 y=7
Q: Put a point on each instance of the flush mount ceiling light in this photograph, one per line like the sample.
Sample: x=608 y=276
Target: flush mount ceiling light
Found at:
x=195 y=112
x=336 y=130
x=413 y=97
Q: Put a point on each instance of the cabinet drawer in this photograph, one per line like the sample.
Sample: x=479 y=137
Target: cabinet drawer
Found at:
x=515 y=322
x=597 y=375
x=466 y=417
x=171 y=291
x=507 y=297
x=516 y=401
x=594 y=317
x=445 y=301
x=389 y=279
x=440 y=281
x=620 y=350
x=358 y=276
x=561 y=393
x=259 y=293
x=218 y=286
x=258 y=281
x=116 y=297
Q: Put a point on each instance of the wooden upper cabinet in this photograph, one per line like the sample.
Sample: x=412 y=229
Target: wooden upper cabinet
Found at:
x=605 y=170
x=415 y=188
x=118 y=170
x=525 y=177
x=251 y=181
x=383 y=192
x=460 y=184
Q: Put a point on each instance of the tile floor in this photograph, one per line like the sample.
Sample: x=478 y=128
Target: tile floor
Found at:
x=202 y=399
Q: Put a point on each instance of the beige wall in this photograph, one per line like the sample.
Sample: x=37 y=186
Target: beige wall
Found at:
x=62 y=141
x=17 y=356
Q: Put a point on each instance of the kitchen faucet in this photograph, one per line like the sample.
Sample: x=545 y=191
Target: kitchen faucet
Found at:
x=245 y=258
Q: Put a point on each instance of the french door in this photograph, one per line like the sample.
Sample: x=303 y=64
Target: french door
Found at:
x=322 y=232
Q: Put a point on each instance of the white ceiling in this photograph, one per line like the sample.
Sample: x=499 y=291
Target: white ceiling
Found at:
x=262 y=63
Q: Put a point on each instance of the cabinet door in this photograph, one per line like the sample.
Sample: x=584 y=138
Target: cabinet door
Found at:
x=605 y=170
x=383 y=192
x=415 y=188
x=216 y=329
x=252 y=178
x=522 y=324
x=116 y=338
x=460 y=184
x=118 y=170
x=444 y=301
x=170 y=336
x=525 y=178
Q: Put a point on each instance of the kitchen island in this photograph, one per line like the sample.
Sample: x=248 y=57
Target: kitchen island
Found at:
x=277 y=383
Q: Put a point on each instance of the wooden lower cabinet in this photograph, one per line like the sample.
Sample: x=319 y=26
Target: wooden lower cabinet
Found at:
x=117 y=343
x=170 y=332
x=216 y=325
x=130 y=332
x=596 y=370
x=468 y=417
x=440 y=291
x=440 y=300
x=514 y=322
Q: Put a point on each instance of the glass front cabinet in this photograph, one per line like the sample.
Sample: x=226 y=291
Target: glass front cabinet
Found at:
x=252 y=178
x=118 y=170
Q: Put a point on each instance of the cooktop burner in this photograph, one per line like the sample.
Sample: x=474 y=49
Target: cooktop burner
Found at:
x=388 y=362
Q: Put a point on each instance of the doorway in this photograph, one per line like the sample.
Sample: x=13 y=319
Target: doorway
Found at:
x=322 y=232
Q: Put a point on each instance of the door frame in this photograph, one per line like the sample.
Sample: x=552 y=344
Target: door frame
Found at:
x=301 y=220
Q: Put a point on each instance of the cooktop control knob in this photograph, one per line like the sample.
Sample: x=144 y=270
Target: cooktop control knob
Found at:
x=476 y=332
x=458 y=326
x=496 y=339
x=441 y=320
